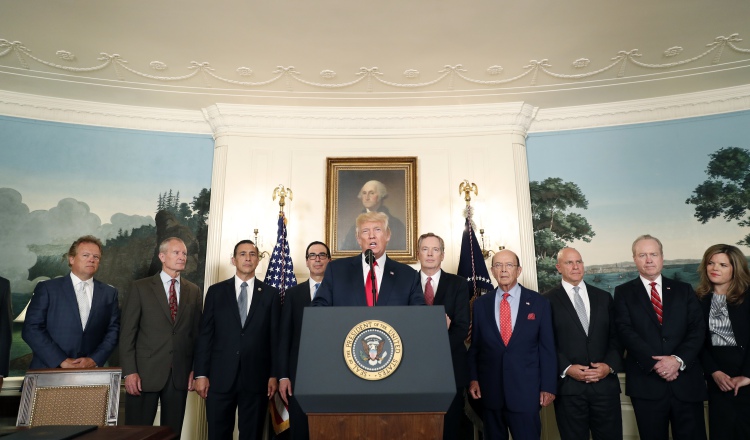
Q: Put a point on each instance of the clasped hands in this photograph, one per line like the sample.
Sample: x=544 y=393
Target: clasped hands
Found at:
x=727 y=383
x=589 y=374
x=667 y=367
x=84 y=362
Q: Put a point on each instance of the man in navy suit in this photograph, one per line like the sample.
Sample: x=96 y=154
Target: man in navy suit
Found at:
x=317 y=257
x=348 y=281
x=237 y=349
x=661 y=326
x=512 y=359
x=452 y=292
x=589 y=355
x=73 y=321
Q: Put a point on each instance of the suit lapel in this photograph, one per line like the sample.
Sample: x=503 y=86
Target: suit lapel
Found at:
x=564 y=299
x=358 y=281
x=255 y=303
x=70 y=296
x=524 y=311
x=667 y=299
x=442 y=288
x=642 y=296
x=96 y=300
x=490 y=317
x=161 y=296
x=387 y=283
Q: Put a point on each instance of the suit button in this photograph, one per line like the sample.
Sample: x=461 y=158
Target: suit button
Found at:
x=174 y=333
x=242 y=334
x=664 y=339
x=238 y=352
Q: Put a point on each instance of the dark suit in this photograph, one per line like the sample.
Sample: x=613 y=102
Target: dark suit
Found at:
x=727 y=414
x=511 y=378
x=344 y=285
x=6 y=326
x=295 y=301
x=53 y=324
x=581 y=407
x=238 y=361
x=453 y=294
x=158 y=350
x=656 y=402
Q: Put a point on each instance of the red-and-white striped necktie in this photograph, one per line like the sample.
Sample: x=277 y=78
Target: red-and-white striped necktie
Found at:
x=656 y=302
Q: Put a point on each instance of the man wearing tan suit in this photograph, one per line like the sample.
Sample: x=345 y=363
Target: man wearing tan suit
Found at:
x=160 y=321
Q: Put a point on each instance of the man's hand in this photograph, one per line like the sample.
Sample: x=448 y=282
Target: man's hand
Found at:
x=191 y=382
x=133 y=384
x=724 y=382
x=285 y=389
x=739 y=382
x=448 y=321
x=273 y=385
x=474 y=390
x=546 y=398
x=201 y=386
x=577 y=372
x=69 y=363
x=84 y=363
x=597 y=372
x=667 y=367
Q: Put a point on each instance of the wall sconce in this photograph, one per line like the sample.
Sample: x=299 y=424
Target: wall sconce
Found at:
x=487 y=253
x=261 y=254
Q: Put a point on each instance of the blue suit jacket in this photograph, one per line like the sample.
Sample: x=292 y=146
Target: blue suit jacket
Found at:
x=226 y=350
x=344 y=285
x=53 y=324
x=512 y=377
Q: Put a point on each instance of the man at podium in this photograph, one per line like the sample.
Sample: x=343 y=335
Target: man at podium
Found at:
x=371 y=278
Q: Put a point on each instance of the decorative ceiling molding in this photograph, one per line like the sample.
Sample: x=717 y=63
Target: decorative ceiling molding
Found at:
x=284 y=78
x=70 y=111
x=369 y=122
x=689 y=105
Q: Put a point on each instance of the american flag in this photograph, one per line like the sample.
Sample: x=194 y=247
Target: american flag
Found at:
x=471 y=264
x=280 y=273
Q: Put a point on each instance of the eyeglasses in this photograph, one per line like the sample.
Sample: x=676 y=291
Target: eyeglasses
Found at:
x=321 y=256
x=506 y=266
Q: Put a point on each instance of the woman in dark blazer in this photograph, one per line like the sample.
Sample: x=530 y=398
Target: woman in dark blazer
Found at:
x=723 y=292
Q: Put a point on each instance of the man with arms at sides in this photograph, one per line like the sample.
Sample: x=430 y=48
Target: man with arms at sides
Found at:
x=589 y=355
x=348 y=281
x=237 y=350
x=512 y=360
x=451 y=291
x=6 y=328
x=372 y=195
x=160 y=319
x=73 y=321
x=660 y=324
x=297 y=298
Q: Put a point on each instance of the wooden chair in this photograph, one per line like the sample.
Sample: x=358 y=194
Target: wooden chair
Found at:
x=89 y=396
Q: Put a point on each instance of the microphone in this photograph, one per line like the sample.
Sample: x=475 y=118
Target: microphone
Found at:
x=370 y=259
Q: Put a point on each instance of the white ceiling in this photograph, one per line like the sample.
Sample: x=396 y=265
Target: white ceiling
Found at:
x=353 y=53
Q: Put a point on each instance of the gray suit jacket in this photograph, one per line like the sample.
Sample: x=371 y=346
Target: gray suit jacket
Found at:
x=149 y=342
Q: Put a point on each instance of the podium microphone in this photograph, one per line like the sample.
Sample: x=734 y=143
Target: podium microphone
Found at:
x=370 y=259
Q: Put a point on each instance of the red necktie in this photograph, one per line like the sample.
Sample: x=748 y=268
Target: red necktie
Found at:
x=371 y=278
x=429 y=294
x=656 y=302
x=173 y=300
x=506 y=325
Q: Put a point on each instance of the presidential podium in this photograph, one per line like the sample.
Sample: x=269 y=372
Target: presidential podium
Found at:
x=374 y=373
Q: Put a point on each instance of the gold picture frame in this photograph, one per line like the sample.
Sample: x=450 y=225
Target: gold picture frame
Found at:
x=345 y=179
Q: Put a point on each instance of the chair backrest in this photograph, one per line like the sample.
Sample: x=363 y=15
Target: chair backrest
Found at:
x=89 y=396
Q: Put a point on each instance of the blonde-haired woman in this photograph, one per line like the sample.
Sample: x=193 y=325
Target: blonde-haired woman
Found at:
x=723 y=292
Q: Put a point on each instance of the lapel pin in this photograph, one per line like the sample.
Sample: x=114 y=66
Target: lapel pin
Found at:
x=531 y=317
x=528 y=303
x=391 y=273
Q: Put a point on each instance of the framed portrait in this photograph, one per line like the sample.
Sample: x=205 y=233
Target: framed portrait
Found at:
x=386 y=184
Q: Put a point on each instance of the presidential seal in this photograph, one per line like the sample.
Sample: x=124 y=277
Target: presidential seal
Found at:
x=373 y=350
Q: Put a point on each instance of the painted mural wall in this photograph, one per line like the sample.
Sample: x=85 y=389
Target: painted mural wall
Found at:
x=686 y=182
x=129 y=188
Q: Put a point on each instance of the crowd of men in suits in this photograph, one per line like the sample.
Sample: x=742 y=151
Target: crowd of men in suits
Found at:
x=240 y=346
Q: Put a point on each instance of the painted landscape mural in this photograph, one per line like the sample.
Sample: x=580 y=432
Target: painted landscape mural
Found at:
x=130 y=189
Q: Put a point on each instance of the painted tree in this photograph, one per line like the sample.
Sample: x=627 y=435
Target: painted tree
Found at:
x=554 y=225
x=726 y=192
